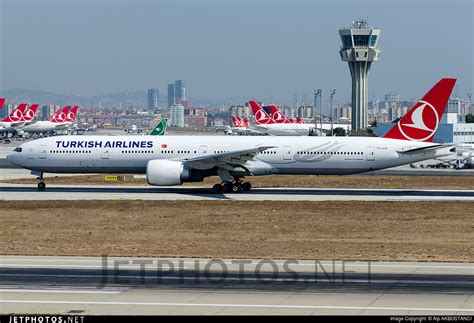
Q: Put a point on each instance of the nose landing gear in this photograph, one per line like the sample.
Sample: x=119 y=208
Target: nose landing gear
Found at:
x=41 y=184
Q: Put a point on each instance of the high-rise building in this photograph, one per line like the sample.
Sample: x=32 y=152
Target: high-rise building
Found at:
x=170 y=95
x=359 y=49
x=392 y=97
x=177 y=115
x=153 y=99
x=179 y=90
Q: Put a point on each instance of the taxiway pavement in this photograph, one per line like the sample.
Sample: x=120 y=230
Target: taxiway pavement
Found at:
x=97 y=192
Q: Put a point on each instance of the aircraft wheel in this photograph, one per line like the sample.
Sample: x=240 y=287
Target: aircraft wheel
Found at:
x=227 y=188
x=41 y=186
x=236 y=188
x=246 y=186
x=217 y=188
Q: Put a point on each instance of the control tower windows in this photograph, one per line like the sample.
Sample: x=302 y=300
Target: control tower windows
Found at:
x=361 y=40
x=373 y=39
x=346 y=41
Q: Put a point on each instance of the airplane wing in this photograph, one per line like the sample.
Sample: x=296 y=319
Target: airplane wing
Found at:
x=234 y=158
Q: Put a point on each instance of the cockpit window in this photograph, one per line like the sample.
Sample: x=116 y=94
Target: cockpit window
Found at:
x=17 y=149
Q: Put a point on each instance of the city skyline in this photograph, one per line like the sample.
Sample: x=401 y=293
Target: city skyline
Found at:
x=238 y=54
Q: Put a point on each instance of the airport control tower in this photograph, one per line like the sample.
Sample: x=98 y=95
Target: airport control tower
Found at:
x=359 y=49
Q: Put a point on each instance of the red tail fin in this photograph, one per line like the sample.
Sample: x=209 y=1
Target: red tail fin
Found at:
x=30 y=113
x=421 y=122
x=2 y=102
x=71 y=115
x=277 y=115
x=17 y=114
x=236 y=122
x=299 y=120
x=60 y=115
x=261 y=117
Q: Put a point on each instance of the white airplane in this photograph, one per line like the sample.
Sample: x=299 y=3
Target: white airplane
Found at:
x=172 y=160
x=240 y=126
x=15 y=119
x=279 y=125
x=60 y=120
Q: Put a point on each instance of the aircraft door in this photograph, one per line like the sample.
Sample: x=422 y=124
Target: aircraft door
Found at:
x=42 y=151
x=287 y=153
x=105 y=153
x=370 y=153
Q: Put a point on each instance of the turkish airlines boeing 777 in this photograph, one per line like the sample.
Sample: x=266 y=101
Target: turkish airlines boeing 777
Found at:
x=172 y=160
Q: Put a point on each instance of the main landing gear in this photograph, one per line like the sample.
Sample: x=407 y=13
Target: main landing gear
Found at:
x=235 y=186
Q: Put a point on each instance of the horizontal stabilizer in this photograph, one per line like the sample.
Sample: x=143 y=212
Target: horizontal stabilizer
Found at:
x=421 y=149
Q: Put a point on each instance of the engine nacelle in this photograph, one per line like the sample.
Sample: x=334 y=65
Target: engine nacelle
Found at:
x=164 y=172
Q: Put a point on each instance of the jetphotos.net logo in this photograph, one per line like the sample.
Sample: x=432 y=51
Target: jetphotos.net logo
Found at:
x=421 y=123
x=130 y=271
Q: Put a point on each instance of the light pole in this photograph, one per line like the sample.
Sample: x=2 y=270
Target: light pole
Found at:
x=331 y=95
x=316 y=94
x=320 y=111
x=469 y=95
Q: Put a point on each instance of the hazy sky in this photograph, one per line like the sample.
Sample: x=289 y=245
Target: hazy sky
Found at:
x=225 y=49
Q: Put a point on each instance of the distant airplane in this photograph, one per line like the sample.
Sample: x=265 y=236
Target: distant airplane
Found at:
x=266 y=124
x=172 y=160
x=15 y=119
x=60 y=120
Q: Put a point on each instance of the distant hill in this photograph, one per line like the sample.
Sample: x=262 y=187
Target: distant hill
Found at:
x=137 y=98
x=125 y=99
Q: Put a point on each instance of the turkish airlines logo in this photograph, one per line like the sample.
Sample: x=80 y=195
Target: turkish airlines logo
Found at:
x=70 y=116
x=16 y=115
x=424 y=122
x=261 y=117
x=236 y=123
x=29 y=115
x=59 y=117
x=278 y=116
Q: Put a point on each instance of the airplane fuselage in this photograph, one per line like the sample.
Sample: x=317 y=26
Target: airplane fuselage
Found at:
x=45 y=126
x=290 y=155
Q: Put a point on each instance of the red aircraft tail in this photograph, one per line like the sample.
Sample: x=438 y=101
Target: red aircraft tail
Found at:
x=261 y=117
x=421 y=122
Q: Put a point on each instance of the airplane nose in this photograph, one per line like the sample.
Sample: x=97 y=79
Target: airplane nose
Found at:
x=13 y=158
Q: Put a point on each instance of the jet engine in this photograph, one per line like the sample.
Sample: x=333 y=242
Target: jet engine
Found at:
x=164 y=172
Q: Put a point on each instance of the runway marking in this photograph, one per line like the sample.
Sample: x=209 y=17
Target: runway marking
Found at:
x=58 y=291
x=235 y=262
x=374 y=308
x=255 y=279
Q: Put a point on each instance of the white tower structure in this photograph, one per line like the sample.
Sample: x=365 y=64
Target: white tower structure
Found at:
x=359 y=49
